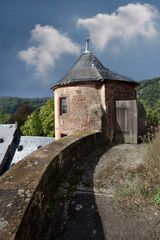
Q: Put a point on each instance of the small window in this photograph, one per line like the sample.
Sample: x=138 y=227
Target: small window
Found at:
x=63 y=135
x=63 y=105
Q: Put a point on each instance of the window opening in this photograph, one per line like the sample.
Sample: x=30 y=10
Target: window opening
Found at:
x=63 y=105
x=63 y=135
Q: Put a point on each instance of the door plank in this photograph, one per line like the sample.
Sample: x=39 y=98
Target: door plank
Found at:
x=126 y=121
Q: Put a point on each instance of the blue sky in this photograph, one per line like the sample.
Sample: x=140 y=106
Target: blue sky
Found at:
x=40 y=40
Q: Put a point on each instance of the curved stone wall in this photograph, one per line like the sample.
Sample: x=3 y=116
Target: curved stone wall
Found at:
x=29 y=192
x=84 y=108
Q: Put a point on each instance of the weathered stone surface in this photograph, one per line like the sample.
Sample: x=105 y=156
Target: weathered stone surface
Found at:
x=108 y=211
x=83 y=109
x=30 y=202
x=91 y=106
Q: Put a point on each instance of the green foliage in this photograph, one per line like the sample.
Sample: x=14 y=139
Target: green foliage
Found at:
x=149 y=92
x=21 y=114
x=40 y=123
x=154 y=116
x=4 y=118
x=46 y=115
x=32 y=126
x=149 y=96
x=124 y=192
x=157 y=198
x=10 y=104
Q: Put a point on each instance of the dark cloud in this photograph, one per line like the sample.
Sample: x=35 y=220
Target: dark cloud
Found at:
x=19 y=17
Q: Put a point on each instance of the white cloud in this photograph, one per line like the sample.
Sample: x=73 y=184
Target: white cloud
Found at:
x=48 y=46
x=125 y=24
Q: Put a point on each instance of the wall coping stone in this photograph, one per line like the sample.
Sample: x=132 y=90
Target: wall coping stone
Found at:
x=19 y=184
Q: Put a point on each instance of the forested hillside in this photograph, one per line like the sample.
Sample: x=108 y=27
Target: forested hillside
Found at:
x=149 y=95
x=149 y=92
x=13 y=108
x=40 y=123
x=35 y=117
x=9 y=105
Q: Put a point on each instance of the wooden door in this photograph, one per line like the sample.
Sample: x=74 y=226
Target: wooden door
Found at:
x=126 y=121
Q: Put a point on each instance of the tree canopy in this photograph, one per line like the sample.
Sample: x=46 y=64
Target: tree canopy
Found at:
x=32 y=126
x=4 y=118
x=46 y=115
x=40 y=123
x=21 y=114
x=10 y=104
x=149 y=96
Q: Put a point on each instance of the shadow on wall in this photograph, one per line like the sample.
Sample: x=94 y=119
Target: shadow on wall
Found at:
x=50 y=192
x=70 y=212
x=119 y=138
x=112 y=137
x=5 y=165
x=142 y=119
x=82 y=216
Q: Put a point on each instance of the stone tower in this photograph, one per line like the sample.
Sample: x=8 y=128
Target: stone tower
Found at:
x=92 y=97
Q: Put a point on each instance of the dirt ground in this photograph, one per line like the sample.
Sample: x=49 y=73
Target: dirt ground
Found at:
x=126 y=213
x=108 y=202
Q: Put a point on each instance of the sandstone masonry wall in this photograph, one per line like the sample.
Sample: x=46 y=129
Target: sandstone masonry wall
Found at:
x=84 y=109
x=31 y=202
x=91 y=106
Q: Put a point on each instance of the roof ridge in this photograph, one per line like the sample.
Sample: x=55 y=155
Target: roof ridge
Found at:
x=83 y=71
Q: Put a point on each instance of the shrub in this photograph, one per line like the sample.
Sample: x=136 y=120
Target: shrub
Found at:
x=151 y=167
x=150 y=134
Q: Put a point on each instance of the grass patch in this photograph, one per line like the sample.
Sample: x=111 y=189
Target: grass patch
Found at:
x=148 y=174
x=151 y=168
x=124 y=192
x=157 y=198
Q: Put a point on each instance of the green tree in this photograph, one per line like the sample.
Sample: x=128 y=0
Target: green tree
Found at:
x=21 y=114
x=42 y=122
x=4 y=118
x=32 y=126
x=149 y=96
x=46 y=115
x=154 y=116
x=10 y=104
x=149 y=92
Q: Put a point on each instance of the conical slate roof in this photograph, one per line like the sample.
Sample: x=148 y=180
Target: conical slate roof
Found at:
x=89 y=68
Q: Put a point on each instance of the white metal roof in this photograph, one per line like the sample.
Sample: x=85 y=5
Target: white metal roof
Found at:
x=28 y=144
x=6 y=134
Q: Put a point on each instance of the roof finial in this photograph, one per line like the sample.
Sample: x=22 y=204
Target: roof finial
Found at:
x=87 y=45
